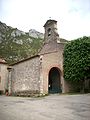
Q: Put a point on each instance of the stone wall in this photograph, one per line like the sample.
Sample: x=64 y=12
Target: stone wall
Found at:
x=3 y=77
x=25 y=77
x=49 y=61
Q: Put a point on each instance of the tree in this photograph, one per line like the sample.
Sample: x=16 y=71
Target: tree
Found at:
x=77 y=61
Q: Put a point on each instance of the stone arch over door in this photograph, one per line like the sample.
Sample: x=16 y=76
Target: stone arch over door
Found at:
x=54 y=80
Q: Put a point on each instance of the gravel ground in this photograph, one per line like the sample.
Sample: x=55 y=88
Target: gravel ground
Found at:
x=52 y=107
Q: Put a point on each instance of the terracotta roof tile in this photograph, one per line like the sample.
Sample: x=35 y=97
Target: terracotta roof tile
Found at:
x=2 y=61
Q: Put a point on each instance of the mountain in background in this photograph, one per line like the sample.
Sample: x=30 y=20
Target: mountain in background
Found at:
x=16 y=44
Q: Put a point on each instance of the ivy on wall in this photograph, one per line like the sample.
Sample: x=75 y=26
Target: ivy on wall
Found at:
x=77 y=60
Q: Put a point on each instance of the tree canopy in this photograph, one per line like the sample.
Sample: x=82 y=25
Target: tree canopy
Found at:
x=77 y=59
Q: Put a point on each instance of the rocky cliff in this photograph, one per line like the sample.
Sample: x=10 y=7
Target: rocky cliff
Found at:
x=16 y=44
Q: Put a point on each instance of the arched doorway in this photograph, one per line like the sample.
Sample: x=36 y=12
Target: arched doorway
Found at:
x=54 y=83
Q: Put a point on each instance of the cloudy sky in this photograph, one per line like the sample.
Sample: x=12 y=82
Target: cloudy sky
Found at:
x=73 y=16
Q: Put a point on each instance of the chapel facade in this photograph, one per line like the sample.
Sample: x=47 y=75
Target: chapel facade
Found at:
x=43 y=73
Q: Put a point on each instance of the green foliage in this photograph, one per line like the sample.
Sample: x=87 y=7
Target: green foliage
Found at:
x=15 y=48
x=77 y=60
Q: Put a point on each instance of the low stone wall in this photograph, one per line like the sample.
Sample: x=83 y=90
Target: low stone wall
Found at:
x=27 y=93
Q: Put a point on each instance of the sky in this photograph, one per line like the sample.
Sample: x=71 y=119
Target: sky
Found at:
x=72 y=16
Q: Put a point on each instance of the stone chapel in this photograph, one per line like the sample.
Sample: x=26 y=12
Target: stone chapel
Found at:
x=42 y=73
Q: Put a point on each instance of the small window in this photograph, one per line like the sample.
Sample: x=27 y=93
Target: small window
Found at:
x=49 y=31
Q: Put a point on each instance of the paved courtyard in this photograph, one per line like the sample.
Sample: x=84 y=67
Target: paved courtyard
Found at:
x=52 y=107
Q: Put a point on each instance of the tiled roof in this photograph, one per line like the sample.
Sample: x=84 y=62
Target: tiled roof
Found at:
x=50 y=22
x=3 y=61
x=24 y=60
